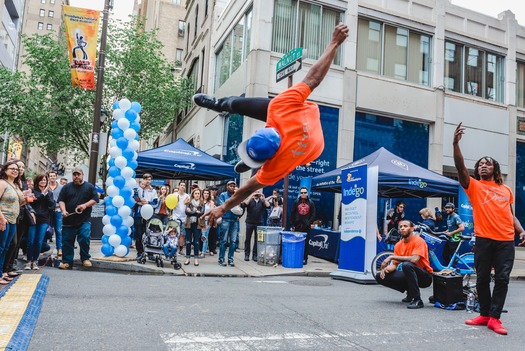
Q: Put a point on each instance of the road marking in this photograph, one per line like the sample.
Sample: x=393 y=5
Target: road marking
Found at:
x=270 y=281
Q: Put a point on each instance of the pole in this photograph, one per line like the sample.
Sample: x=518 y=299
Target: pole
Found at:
x=286 y=182
x=95 y=135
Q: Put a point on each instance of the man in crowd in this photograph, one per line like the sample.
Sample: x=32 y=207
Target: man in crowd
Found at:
x=415 y=271
x=455 y=227
x=229 y=227
x=179 y=212
x=75 y=201
x=394 y=216
x=495 y=226
x=303 y=215
x=63 y=181
x=56 y=215
x=144 y=195
x=255 y=206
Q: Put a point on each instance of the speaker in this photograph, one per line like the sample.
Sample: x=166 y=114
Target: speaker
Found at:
x=448 y=289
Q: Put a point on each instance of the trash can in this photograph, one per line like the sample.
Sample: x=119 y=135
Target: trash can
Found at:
x=268 y=245
x=293 y=249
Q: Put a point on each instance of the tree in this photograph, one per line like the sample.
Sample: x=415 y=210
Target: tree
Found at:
x=45 y=110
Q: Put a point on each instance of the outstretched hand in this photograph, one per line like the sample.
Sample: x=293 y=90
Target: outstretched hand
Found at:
x=458 y=133
x=340 y=33
x=214 y=215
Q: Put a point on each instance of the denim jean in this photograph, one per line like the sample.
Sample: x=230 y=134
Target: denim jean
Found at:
x=229 y=230
x=169 y=251
x=56 y=223
x=204 y=244
x=83 y=236
x=193 y=236
x=35 y=238
x=5 y=239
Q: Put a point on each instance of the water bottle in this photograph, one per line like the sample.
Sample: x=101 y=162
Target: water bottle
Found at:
x=470 y=302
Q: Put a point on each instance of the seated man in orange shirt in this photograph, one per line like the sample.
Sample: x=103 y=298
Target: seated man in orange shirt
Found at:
x=415 y=272
x=293 y=135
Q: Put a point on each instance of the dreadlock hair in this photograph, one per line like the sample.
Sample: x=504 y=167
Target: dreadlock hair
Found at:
x=497 y=170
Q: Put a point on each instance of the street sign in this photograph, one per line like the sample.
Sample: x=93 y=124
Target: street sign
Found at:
x=287 y=63
x=289 y=70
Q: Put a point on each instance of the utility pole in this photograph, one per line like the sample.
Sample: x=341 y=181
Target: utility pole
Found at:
x=95 y=135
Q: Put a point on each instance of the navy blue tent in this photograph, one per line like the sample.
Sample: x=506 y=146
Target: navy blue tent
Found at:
x=180 y=160
x=397 y=178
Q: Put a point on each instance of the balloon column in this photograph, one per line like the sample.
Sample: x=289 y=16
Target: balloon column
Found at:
x=121 y=179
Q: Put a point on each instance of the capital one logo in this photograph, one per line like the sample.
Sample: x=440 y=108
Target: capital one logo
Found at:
x=187 y=166
x=321 y=243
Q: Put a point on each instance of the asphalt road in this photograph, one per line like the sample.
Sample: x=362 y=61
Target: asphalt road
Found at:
x=107 y=311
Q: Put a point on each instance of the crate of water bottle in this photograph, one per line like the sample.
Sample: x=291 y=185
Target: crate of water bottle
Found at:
x=432 y=241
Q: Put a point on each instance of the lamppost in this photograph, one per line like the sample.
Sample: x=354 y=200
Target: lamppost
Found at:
x=95 y=135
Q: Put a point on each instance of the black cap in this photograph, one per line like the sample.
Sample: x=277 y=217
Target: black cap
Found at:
x=450 y=204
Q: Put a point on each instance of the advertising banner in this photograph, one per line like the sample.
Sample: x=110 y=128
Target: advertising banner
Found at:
x=15 y=150
x=81 y=34
x=465 y=212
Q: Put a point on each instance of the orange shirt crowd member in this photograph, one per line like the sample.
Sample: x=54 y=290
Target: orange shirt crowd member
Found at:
x=416 y=246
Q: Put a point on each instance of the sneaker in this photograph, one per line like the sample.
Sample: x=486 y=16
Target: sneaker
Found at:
x=207 y=101
x=479 y=320
x=231 y=263
x=27 y=267
x=254 y=258
x=246 y=258
x=34 y=266
x=415 y=304
x=407 y=299
x=65 y=266
x=87 y=263
x=495 y=324
x=222 y=263
x=241 y=167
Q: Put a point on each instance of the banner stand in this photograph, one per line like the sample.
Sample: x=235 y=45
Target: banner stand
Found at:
x=358 y=227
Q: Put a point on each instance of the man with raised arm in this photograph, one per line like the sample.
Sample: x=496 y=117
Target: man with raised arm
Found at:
x=495 y=226
x=293 y=135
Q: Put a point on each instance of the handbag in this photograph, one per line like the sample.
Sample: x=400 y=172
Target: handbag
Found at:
x=276 y=213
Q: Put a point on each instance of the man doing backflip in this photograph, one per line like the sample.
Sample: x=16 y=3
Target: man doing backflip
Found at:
x=293 y=135
x=494 y=226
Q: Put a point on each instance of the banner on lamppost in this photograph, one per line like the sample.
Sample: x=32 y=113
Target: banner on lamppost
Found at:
x=81 y=33
x=15 y=150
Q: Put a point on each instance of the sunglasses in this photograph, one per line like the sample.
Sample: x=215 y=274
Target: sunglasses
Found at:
x=304 y=192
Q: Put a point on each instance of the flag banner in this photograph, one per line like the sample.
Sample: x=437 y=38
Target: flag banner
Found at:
x=15 y=150
x=81 y=33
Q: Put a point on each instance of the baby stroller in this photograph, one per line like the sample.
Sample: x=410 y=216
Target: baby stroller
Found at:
x=153 y=241
x=173 y=224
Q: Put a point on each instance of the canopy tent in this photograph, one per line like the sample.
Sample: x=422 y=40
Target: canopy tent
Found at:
x=180 y=160
x=397 y=178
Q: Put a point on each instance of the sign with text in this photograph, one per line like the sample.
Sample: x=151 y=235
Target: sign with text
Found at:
x=290 y=63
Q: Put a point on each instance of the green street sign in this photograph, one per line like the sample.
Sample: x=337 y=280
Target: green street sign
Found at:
x=289 y=58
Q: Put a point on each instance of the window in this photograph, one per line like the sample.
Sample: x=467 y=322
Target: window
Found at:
x=306 y=25
x=196 y=22
x=178 y=57
x=40 y=26
x=193 y=73
x=51 y=2
x=234 y=50
x=182 y=27
x=520 y=85
x=473 y=71
x=51 y=13
x=42 y=1
x=392 y=51
x=175 y=2
x=42 y=13
x=49 y=26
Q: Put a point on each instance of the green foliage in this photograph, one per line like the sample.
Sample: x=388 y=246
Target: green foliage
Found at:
x=45 y=110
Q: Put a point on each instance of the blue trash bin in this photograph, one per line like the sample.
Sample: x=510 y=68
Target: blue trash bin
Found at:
x=293 y=249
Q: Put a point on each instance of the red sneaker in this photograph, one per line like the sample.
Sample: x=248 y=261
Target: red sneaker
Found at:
x=479 y=320
x=495 y=324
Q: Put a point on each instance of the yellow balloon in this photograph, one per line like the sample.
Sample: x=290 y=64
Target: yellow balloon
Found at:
x=171 y=201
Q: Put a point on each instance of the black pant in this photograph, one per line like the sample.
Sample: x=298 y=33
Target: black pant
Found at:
x=139 y=231
x=212 y=239
x=250 y=107
x=448 y=250
x=250 y=229
x=490 y=253
x=410 y=278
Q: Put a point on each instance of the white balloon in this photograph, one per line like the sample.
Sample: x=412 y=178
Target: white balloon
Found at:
x=134 y=145
x=109 y=229
x=112 y=190
x=106 y=219
x=124 y=104
x=118 y=201
x=115 y=152
x=124 y=211
x=118 y=114
x=113 y=143
x=146 y=211
x=137 y=119
x=109 y=181
x=121 y=162
x=127 y=173
x=131 y=183
x=128 y=221
x=114 y=240
x=135 y=156
x=123 y=123
x=130 y=133
x=121 y=251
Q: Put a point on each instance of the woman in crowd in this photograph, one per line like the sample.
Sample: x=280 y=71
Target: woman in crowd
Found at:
x=428 y=219
x=207 y=201
x=162 y=212
x=275 y=211
x=11 y=198
x=194 y=225
x=42 y=204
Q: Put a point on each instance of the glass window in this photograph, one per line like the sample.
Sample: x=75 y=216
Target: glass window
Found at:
x=396 y=45
x=51 y=13
x=473 y=72
x=49 y=26
x=419 y=56
x=40 y=25
x=369 y=46
x=196 y=22
x=42 y=13
x=178 y=57
x=520 y=85
x=452 y=67
x=42 y=1
x=51 y=1
x=193 y=73
x=182 y=27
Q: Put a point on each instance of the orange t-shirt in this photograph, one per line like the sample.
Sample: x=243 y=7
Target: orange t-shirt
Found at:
x=416 y=246
x=491 y=209
x=299 y=124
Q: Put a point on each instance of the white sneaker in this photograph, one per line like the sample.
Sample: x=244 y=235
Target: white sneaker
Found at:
x=35 y=266
x=27 y=267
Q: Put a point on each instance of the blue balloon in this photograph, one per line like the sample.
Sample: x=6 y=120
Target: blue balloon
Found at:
x=104 y=239
x=116 y=220
x=122 y=231
x=114 y=124
x=126 y=241
x=135 y=106
x=111 y=210
x=122 y=143
x=131 y=115
x=117 y=133
x=135 y=126
x=107 y=249
x=114 y=171
x=130 y=202
x=134 y=176
x=116 y=105
x=137 y=137
x=128 y=153
x=119 y=181
x=131 y=164
x=126 y=192
x=111 y=163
